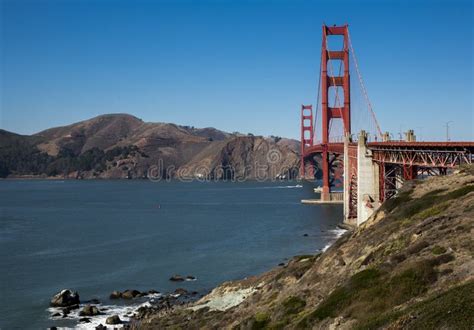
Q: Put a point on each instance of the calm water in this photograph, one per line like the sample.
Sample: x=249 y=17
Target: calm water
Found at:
x=100 y=236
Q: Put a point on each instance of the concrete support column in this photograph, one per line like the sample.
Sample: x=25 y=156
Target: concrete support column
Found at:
x=367 y=181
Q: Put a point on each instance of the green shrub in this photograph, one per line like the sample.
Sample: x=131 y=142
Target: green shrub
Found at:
x=436 y=250
x=459 y=192
x=402 y=197
x=260 y=320
x=293 y=305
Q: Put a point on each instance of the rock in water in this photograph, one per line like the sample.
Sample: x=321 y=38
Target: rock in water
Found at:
x=89 y=310
x=181 y=291
x=176 y=278
x=114 y=319
x=129 y=294
x=115 y=295
x=65 y=298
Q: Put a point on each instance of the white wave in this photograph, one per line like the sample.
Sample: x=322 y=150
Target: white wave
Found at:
x=296 y=186
x=280 y=187
x=338 y=232
x=327 y=246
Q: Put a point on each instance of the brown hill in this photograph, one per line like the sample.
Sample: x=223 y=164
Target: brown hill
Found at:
x=121 y=145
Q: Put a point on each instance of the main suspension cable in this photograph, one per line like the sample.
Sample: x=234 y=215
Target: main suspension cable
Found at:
x=317 y=99
x=369 y=104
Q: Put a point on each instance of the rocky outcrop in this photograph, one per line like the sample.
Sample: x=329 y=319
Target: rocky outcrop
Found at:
x=115 y=295
x=89 y=310
x=114 y=319
x=176 y=278
x=65 y=298
x=130 y=294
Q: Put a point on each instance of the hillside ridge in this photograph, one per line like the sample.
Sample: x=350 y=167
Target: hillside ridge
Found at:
x=124 y=146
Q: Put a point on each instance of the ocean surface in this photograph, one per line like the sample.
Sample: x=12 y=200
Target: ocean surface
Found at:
x=98 y=236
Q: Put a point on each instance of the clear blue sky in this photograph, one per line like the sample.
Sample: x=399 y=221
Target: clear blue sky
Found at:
x=236 y=65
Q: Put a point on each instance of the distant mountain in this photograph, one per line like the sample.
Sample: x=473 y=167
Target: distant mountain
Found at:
x=123 y=146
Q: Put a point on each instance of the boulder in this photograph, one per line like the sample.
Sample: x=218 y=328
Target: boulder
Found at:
x=190 y=278
x=129 y=294
x=114 y=319
x=65 y=298
x=180 y=291
x=115 y=295
x=101 y=327
x=85 y=320
x=176 y=278
x=89 y=310
x=153 y=291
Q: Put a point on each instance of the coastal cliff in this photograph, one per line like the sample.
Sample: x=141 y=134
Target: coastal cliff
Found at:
x=409 y=266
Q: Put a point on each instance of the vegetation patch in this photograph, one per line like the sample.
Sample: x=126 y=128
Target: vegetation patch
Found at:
x=432 y=211
x=396 y=245
x=430 y=204
x=260 y=320
x=451 y=309
x=436 y=250
x=402 y=197
x=460 y=192
x=293 y=305
x=278 y=325
x=372 y=293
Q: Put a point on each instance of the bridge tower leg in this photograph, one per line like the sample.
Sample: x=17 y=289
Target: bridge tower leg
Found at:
x=307 y=137
x=333 y=112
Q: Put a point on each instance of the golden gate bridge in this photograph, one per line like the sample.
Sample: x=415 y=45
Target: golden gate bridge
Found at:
x=371 y=165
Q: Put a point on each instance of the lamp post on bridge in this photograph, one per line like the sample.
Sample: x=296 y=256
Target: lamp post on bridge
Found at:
x=447 y=130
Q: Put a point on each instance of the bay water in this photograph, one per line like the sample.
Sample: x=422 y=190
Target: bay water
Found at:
x=99 y=236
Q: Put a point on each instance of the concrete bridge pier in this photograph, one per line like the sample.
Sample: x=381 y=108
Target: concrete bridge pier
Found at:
x=367 y=198
x=367 y=181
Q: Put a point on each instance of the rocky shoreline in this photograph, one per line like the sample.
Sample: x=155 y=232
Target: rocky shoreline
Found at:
x=135 y=307
x=132 y=306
